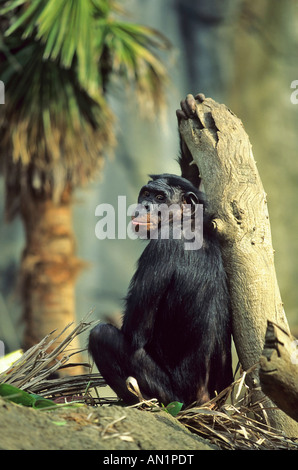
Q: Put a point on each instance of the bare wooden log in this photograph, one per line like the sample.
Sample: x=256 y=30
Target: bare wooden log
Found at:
x=279 y=369
x=222 y=151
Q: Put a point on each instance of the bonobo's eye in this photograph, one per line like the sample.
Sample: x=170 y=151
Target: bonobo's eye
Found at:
x=146 y=194
x=160 y=197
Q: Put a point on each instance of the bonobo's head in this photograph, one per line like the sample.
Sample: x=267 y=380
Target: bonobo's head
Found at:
x=161 y=193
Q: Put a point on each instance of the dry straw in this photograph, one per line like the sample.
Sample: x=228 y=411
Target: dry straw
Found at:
x=230 y=420
x=36 y=370
x=233 y=422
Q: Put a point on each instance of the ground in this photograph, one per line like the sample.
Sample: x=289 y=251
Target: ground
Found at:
x=93 y=428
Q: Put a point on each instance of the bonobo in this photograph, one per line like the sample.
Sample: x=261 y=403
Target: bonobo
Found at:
x=175 y=339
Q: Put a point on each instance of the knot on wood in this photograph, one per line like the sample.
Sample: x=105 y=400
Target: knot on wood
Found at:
x=237 y=211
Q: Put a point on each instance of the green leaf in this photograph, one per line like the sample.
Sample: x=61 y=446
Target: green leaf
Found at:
x=173 y=408
x=24 y=17
x=21 y=397
x=41 y=403
x=16 y=395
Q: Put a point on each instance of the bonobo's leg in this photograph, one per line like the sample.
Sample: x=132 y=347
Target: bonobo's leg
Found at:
x=116 y=361
x=111 y=355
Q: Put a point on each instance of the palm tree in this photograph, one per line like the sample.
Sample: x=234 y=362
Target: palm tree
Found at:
x=56 y=61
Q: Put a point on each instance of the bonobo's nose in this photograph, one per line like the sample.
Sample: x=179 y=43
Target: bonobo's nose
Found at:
x=147 y=205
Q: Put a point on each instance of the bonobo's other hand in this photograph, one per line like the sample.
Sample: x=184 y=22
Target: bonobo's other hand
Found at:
x=189 y=107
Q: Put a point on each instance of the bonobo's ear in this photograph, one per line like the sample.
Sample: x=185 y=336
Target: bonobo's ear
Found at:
x=191 y=198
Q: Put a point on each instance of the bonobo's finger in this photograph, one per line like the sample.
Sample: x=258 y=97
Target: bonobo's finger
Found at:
x=188 y=106
x=191 y=104
x=200 y=97
x=180 y=114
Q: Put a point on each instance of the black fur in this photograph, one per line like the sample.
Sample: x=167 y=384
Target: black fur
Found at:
x=176 y=334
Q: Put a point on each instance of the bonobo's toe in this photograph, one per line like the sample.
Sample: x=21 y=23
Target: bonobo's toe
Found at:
x=200 y=97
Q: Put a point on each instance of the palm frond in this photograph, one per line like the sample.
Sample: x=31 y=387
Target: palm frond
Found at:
x=56 y=123
x=53 y=125
x=132 y=50
x=67 y=31
x=34 y=370
x=81 y=30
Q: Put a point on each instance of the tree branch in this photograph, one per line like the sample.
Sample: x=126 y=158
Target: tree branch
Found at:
x=221 y=148
x=279 y=369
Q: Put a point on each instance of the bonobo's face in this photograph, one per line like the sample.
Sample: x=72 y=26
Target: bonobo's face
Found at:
x=155 y=198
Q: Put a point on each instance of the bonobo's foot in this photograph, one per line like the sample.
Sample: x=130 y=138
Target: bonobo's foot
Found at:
x=189 y=106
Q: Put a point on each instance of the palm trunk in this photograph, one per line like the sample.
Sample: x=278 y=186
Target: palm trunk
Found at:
x=49 y=267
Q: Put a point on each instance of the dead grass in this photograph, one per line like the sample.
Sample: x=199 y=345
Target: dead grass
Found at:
x=36 y=371
x=233 y=422
x=230 y=420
